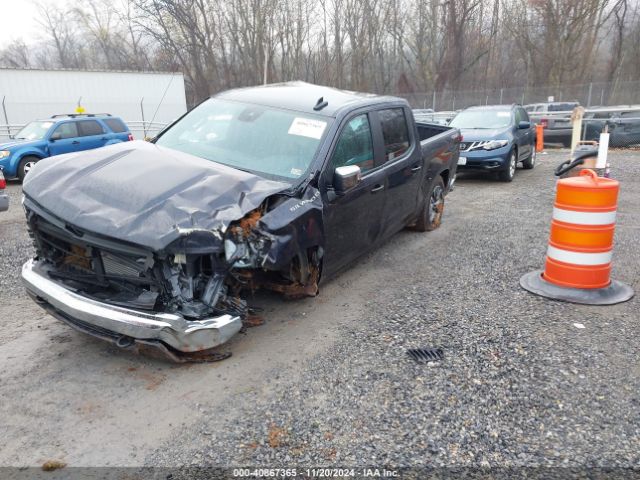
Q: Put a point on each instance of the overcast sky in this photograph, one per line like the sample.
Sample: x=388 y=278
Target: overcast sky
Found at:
x=19 y=19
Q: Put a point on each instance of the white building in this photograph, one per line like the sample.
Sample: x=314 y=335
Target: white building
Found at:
x=156 y=98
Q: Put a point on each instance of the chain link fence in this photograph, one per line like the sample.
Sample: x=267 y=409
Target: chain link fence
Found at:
x=612 y=107
x=588 y=95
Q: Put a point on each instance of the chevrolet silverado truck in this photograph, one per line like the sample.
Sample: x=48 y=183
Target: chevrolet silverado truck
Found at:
x=277 y=187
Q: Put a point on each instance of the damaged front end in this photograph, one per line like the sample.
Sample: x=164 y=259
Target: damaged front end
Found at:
x=184 y=299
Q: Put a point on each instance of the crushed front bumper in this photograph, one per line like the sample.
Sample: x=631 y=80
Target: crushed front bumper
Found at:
x=122 y=325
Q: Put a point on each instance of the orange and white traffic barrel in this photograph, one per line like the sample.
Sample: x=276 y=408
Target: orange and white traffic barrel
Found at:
x=578 y=263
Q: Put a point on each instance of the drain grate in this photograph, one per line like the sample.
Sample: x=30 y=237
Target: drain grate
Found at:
x=426 y=355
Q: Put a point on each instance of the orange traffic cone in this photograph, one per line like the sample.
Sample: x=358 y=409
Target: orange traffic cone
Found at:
x=578 y=263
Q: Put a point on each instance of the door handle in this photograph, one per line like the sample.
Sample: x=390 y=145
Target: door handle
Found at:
x=377 y=188
x=416 y=168
x=75 y=142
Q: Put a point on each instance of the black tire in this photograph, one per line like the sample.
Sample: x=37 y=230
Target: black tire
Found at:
x=25 y=165
x=431 y=214
x=508 y=173
x=530 y=162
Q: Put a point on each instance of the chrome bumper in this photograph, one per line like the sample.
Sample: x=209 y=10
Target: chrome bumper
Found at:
x=93 y=316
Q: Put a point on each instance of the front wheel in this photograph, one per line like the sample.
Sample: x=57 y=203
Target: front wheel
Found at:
x=508 y=173
x=431 y=214
x=25 y=165
x=530 y=162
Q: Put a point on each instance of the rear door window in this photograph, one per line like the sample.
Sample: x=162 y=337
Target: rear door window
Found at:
x=87 y=128
x=394 y=132
x=355 y=145
x=116 y=125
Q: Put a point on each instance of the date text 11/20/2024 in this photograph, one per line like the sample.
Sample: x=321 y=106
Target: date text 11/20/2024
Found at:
x=314 y=472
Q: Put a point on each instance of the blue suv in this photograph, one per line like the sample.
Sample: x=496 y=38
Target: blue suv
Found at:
x=57 y=135
x=495 y=139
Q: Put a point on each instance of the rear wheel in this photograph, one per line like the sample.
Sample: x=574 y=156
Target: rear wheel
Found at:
x=431 y=214
x=530 y=162
x=25 y=165
x=508 y=173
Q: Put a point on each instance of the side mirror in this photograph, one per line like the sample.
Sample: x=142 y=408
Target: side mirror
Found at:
x=345 y=178
x=55 y=136
x=524 y=125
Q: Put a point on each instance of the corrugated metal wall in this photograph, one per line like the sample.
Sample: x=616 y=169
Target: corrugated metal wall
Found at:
x=34 y=94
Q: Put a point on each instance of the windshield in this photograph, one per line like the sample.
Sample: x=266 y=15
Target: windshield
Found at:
x=34 y=131
x=482 y=119
x=262 y=140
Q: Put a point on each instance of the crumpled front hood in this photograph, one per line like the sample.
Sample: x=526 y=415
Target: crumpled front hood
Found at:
x=144 y=193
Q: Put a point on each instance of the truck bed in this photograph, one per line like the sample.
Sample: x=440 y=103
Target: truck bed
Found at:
x=429 y=130
x=441 y=144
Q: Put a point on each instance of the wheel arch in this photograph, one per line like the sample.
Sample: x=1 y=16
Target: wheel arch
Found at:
x=20 y=155
x=446 y=175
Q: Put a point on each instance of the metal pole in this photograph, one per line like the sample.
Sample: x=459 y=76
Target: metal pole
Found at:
x=602 y=97
x=144 y=125
x=6 y=119
x=434 y=101
x=501 y=90
x=486 y=102
x=589 y=99
x=453 y=108
x=266 y=65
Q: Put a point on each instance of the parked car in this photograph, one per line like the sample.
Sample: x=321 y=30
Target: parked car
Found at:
x=273 y=187
x=495 y=139
x=57 y=135
x=555 y=117
x=4 y=198
x=623 y=124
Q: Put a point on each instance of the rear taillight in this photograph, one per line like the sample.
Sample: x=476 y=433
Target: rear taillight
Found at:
x=3 y=183
x=544 y=122
x=130 y=137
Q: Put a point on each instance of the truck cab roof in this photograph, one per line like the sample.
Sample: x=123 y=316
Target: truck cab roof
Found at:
x=305 y=97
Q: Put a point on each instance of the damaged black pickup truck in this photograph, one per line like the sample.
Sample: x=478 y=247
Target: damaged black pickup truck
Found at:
x=153 y=244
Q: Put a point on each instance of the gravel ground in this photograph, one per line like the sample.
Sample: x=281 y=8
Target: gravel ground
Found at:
x=15 y=249
x=520 y=385
x=327 y=381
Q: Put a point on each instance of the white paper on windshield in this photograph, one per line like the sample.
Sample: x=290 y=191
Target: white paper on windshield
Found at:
x=504 y=114
x=305 y=127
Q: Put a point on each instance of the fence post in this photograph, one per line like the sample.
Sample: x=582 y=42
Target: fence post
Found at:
x=144 y=123
x=6 y=119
